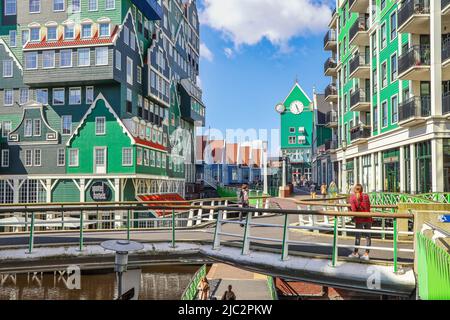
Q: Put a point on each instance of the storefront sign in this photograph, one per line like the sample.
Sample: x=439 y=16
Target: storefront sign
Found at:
x=444 y=218
x=100 y=191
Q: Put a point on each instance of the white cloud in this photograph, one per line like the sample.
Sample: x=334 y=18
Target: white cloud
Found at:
x=247 y=22
x=206 y=53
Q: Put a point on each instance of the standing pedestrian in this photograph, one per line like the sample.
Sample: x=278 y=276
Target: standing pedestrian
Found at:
x=203 y=289
x=360 y=202
x=333 y=189
x=229 y=294
x=243 y=201
x=312 y=190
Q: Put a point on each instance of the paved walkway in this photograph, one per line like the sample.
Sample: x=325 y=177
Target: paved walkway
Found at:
x=246 y=285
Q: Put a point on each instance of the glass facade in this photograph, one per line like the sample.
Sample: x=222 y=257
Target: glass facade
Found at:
x=424 y=174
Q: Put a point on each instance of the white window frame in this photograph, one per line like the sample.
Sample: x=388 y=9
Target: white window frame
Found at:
x=118 y=60
x=31 y=33
x=64 y=96
x=13 y=35
x=8 y=65
x=89 y=95
x=5 y=158
x=43 y=90
x=109 y=1
x=83 y=36
x=99 y=120
x=100 y=28
x=28 y=155
x=124 y=157
x=59 y=10
x=62 y=124
x=35 y=126
x=69 y=27
x=70 y=96
x=78 y=7
x=53 y=60
x=97 y=50
x=29 y=7
x=130 y=77
x=7 y=103
x=76 y=153
x=27 y=55
x=35 y=153
x=59 y=152
x=20 y=95
x=88 y=50
x=56 y=29
x=28 y=128
x=71 y=58
x=90 y=2
x=10 y=13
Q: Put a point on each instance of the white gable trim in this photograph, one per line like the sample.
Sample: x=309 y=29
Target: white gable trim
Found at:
x=89 y=111
x=11 y=54
x=292 y=90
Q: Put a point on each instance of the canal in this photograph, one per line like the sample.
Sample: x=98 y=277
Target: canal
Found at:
x=157 y=283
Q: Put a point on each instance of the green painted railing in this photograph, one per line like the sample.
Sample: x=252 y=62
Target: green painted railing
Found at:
x=387 y=198
x=190 y=293
x=272 y=288
x=436 y=197
x=433 y=270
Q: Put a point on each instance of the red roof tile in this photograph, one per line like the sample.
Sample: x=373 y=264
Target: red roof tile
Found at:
x=150 y=144
x=163 y=197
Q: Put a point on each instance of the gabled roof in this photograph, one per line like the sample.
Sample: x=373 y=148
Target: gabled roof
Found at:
x=296 y=85
x=89 y=111
x=11 y=54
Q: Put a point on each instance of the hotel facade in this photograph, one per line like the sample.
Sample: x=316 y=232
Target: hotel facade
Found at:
x=390 y=95
x=99 y=99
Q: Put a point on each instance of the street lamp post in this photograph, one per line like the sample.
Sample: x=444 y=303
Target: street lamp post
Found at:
x=121 y=248
x=344 y=166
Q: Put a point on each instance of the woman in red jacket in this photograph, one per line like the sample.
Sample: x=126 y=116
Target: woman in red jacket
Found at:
x=360 y=202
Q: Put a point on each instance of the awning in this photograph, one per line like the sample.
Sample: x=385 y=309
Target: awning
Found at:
x=175 y=197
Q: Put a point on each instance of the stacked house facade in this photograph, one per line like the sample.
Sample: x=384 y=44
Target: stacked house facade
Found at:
x=100 y=99
x=390 y=93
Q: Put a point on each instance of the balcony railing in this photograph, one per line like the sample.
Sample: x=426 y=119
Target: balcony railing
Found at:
x=329 y=64
x=329 y=37
x=446 y=103
x=358 y=61
x=359 y=132
x=360 y=25
x=412 y=7
x=415 y=56
x=359 y=96
x=331 y=145
x=330 y=90
x=331 y=116
x=414 y=107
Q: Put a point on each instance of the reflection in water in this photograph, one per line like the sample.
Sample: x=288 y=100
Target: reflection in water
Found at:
x=157 y=283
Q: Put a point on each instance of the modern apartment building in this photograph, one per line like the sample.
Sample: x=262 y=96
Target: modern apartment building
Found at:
x=390 y=89
x=99 y=99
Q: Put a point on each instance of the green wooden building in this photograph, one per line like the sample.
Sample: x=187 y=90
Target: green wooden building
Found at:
x=100 y=99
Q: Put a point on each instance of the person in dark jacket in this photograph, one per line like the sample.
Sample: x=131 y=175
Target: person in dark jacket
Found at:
x=360 y=202
x=243 y=201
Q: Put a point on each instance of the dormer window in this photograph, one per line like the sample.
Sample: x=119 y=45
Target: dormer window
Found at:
x=86 y=31
x=104 y=29
x=52 y=34
x=35 y=34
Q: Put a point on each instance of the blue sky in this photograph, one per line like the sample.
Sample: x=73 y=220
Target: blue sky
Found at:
x=249 y=65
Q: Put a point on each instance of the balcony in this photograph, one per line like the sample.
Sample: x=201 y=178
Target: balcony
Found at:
x=414 y=111
x=331 y=145
x=333 y=22
x=360 y=101
x=192 y=107
x=331 y=119
x=329 y=42
x=445 y=5
x=359 y=134
x=414 y=17
x=358 y=33
x=446 y=59
x=446 y=104
x=359 y=67
x=358 y=6
x=329 y=67
x=414 y=64
x=331 y=94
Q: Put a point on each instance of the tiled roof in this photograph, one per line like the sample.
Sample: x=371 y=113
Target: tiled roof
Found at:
x=149 y=144
x=77 y=42
x=176 y=198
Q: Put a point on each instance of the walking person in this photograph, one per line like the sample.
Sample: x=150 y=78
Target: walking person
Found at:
x=243 y=201
x=323 y=190
x=203 y=289
x=229 y=294
x=360 y=202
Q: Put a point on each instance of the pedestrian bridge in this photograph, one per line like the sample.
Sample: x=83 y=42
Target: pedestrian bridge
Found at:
x=300 y=244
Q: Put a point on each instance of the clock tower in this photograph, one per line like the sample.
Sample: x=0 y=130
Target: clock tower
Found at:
x=297 y=118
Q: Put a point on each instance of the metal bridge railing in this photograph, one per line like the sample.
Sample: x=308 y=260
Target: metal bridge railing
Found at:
x=191 y=291
x=177 y=223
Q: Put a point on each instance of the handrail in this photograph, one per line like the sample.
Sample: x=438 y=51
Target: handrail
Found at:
x=342 y=205
x=190 y=293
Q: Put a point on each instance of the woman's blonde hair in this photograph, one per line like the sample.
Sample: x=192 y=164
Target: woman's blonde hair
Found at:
x=358 y=190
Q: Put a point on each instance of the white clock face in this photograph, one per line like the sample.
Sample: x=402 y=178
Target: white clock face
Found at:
x=280 y=108
x=296 y=107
